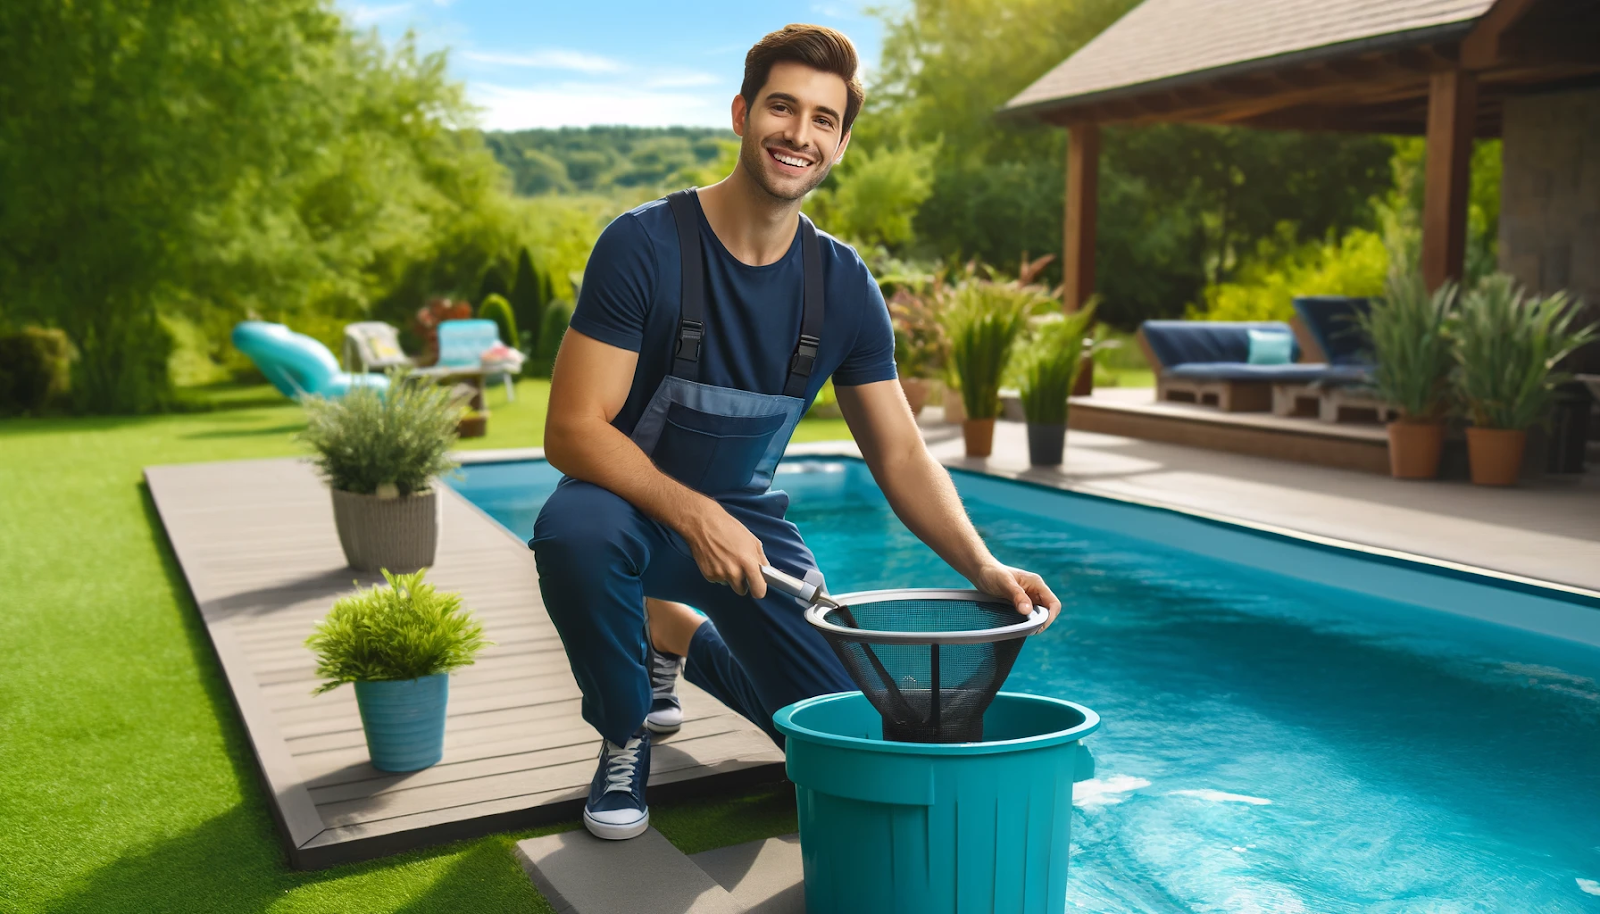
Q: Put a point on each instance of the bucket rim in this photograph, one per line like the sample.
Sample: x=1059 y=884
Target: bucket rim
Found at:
x=1035 y=621
x=783 y=719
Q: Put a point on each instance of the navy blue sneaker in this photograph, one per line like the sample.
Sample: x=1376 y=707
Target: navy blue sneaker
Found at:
x=616 y=809
x=666 y=712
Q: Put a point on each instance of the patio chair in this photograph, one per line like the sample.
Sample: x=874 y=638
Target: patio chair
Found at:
x=1208 y=362
x=475 y=344
x=373 y=346
x=296 y=364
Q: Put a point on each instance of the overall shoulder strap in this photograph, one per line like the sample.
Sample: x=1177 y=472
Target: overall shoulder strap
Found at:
x=805 y=351
x=691 y=314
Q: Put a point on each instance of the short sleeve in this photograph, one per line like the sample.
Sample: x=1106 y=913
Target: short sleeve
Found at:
x=871 y=359
x=618 y=284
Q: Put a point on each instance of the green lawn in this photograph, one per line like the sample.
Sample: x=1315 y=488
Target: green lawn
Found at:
x=126 y=781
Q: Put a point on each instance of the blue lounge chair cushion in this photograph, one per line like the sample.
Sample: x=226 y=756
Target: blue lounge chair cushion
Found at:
x=1331 y=321
x=1269 y=347
x=1179 y=342
x=1304 y=373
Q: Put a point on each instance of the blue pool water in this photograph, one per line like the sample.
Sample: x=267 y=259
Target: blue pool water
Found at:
x=1269 y=744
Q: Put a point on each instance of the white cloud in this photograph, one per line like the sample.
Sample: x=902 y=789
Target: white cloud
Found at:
x=557 y=59
x=361 y=14
x=680 y=80
x=584 y=104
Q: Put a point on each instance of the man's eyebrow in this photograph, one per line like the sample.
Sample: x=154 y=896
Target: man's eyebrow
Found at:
x=786 y=97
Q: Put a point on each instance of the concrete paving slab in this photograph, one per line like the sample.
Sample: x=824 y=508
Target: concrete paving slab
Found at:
x=764 y=877
x=581 y=874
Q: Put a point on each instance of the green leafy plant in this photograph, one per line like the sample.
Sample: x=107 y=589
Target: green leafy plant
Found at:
x=375 y=442
x=921 y=348
x=405 y=630
x=1050 y=365
x=34 y=369
x=1507 y=347
x=496 y=308
x=1409 y=332
x=984 y=325
x=557 y=315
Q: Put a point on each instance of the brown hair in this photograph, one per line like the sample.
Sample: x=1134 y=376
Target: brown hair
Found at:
x=816 y=46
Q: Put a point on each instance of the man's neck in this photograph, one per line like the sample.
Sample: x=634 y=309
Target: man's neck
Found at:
x=756 y=227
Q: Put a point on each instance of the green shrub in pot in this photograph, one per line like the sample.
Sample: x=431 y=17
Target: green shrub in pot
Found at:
x=1508 y=345
x=984 y=324
x=1050 y=366
x=1408 y=330
x=379 y=452
x=398 y=643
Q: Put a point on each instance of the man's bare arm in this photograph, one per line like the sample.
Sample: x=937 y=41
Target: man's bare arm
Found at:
x=588 y=387
x=923 y=496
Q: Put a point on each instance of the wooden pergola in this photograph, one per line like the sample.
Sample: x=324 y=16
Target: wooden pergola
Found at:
x=1440 y=68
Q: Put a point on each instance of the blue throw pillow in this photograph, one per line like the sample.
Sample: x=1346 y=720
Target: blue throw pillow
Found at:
x=1271 y=347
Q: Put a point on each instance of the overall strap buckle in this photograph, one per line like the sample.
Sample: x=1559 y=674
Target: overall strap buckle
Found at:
x=690 y=333
x=805 y=355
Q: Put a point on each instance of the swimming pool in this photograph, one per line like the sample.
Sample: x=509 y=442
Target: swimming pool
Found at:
x=1287 y=728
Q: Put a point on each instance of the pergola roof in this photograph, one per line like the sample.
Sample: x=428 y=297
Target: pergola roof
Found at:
x=1171 y=39
x=1359 y=65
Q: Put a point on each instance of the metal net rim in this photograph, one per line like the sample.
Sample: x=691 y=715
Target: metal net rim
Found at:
x=1036 y=620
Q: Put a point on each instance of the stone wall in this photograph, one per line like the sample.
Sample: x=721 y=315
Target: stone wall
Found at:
x=1550 y=197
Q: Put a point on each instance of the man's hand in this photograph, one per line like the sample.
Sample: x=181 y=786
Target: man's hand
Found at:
x=1024 y=589
x=726 y=551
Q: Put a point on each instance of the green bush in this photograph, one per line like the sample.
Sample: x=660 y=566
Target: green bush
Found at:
x=984 y=325
x=35 y=368
x=557 y=315
x=371 y=439
x=496 y=308
x=1409 y=331
x=1507 y=347
x=1051 y=364
x=406 y=630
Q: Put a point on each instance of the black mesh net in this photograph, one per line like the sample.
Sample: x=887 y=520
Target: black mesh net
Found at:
x=928 y=691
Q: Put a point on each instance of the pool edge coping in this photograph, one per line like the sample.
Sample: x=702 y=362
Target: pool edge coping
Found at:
x=1489 y=577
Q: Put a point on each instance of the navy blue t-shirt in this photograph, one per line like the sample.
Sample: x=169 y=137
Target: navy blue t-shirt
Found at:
x=633 y=287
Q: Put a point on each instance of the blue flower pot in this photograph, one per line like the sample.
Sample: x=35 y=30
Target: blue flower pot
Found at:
x=404 y=721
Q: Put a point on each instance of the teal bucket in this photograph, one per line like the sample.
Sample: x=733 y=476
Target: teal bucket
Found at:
x=404 y=721
x=936 y=827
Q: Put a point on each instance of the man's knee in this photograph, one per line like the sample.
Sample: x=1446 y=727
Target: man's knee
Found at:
x=582 y=523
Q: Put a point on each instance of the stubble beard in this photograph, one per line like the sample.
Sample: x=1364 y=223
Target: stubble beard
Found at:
x=753 y=155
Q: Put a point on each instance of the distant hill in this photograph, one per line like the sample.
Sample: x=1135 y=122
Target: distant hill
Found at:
x=601 y=159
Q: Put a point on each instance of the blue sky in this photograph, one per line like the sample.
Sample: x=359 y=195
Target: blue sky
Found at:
x=554 y=63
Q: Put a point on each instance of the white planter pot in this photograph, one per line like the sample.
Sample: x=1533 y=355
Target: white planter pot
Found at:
x=400 y=534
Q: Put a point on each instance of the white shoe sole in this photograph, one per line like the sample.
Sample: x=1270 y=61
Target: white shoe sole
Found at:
x=662 y=728
x=616 y=832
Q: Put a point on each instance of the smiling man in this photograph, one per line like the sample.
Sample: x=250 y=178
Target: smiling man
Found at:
x=706 y=325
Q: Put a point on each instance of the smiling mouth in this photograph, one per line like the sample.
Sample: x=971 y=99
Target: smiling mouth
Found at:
x=788 y=161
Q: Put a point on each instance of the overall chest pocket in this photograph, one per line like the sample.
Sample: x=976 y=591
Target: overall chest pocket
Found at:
x=712 y=453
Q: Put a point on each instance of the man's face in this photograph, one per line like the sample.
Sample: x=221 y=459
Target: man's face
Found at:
x=793 y=134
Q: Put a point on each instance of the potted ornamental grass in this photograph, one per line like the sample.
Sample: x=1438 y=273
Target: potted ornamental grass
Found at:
x=984 y=324
x=1049 y=375
x=397 y=643
x=1507 y=347
x=920 y=347
x=379 y=452
x=1408 y=330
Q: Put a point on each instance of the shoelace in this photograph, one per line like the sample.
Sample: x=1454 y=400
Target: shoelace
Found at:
x=620 y=766
x=663 y=675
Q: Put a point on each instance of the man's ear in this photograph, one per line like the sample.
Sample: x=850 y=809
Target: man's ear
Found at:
x=838 y=155
x=741 y=115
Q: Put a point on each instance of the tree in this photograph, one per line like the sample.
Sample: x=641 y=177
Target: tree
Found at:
x=528 y=300
x=493 y=284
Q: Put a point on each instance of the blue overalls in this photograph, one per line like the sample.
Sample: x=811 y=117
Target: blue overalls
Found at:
x=599 y=556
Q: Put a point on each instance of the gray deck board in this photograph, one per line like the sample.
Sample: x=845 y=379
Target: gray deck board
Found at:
x=258 y=548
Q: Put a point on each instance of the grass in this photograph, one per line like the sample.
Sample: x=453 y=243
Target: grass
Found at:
x=126 y=780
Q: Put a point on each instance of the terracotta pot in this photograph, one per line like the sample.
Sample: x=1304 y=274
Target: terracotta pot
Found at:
x=916 y=391
x=473 y=426
x=954 y=409
x=1414 y=449
x=400 y=534
x=979 y=435
x=1495 y=455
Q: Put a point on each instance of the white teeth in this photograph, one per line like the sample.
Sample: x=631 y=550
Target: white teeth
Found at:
x=788 y=160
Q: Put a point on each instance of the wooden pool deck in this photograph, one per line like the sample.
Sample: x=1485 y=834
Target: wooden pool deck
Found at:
x=257 y=545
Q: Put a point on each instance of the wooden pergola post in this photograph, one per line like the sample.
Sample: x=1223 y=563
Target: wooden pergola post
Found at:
x=1452 y=115
x=1083 y=178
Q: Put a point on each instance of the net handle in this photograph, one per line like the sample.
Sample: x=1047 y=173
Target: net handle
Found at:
x=1036 y=619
